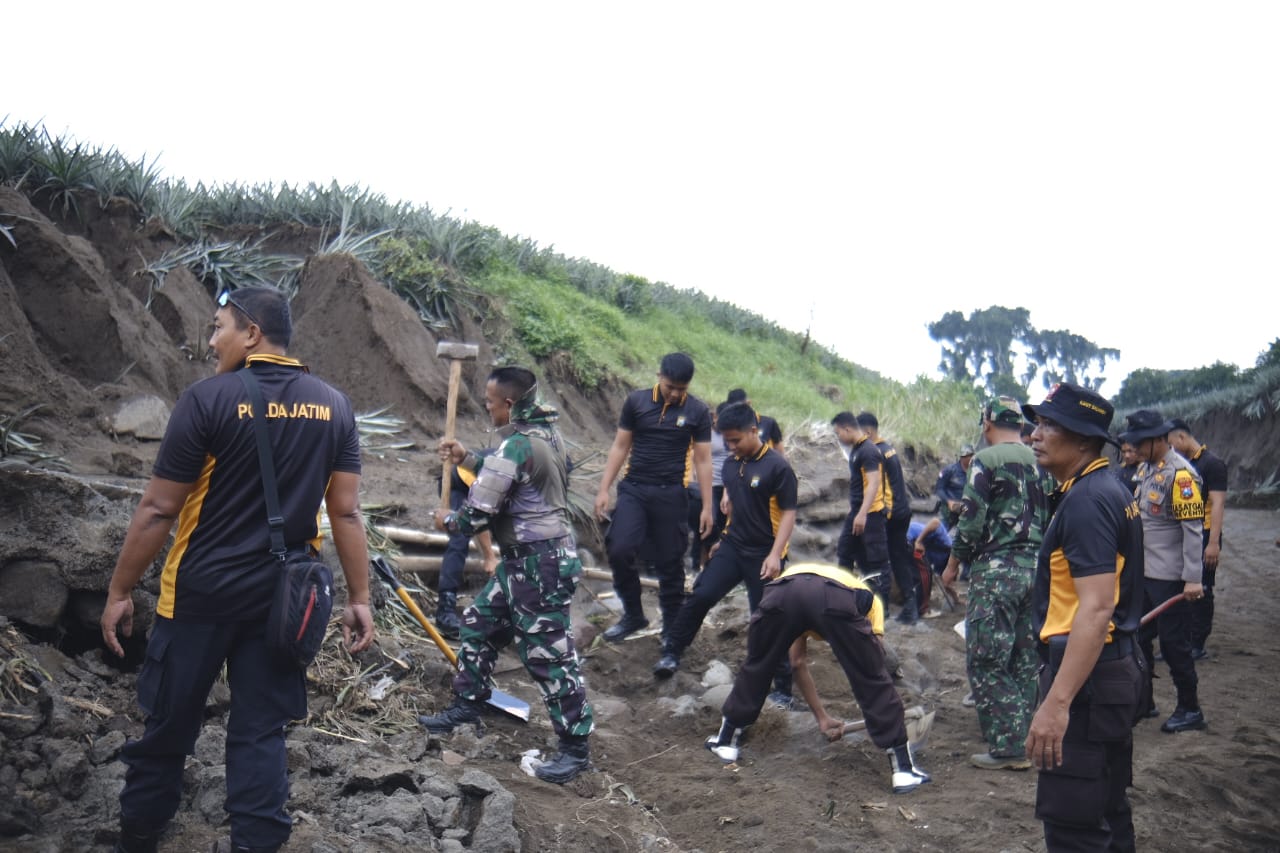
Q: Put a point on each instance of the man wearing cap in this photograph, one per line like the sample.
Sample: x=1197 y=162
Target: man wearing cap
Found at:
x=1172 y=509
x=950 y=486
x=1003 y=515
x=1087 y=602
x=1213 y=474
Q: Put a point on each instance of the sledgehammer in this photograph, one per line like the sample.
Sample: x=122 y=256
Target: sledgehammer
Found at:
x=456 y=353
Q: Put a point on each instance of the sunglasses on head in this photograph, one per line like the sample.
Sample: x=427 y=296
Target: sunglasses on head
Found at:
x=225 y=299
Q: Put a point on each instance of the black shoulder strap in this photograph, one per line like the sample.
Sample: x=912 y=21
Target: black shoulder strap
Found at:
x=275 y=519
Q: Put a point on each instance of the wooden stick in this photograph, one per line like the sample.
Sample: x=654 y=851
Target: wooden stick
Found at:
x=431 y=539
x=602 y=575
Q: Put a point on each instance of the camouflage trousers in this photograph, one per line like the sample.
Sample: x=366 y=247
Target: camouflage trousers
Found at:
x=1000 y=649
x=527 y=600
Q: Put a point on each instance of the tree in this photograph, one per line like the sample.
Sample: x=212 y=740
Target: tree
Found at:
x=980 y=347
x=1064 y=356
x=1147 y=387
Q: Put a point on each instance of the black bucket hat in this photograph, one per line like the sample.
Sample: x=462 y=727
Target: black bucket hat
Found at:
x=1077 y=409
x=1144 y=424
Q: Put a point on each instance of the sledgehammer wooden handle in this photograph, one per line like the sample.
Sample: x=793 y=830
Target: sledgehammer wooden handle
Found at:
x=456 y=353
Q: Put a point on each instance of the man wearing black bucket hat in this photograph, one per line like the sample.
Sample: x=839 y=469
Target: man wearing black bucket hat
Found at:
x=1170 y=500
x=1088 y=600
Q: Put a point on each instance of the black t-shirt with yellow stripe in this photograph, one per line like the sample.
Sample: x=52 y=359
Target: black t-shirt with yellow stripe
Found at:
x=662 y=436
x=220 y=567
x=865 y=459
x=760 y=488
x=897 y=502
x=1095 y=529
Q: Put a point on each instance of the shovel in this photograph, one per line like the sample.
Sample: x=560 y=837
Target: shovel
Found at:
x=498 y=700
x=918 y=725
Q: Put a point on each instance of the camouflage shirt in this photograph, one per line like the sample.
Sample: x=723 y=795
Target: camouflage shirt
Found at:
x=1006 y=504
x=533 y=501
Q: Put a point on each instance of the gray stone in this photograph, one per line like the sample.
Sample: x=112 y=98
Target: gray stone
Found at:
x=33 y=592
x=107 y=747
x=715 y=696
x=717 y=673
x=69 y=773
x=496 y=832
x=144 y=417
x=211 y=745
x=401 y=809
x=211 y=794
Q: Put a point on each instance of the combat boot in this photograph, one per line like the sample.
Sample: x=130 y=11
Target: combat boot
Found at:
x=574 y=757
x=136 y=838
x=906 y=776
x=630 y=622
x=910 y=612
x=460 y=712
x=726 y=743
x=447 y=621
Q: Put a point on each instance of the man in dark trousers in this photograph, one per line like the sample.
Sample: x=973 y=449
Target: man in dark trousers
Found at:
x=1088 y=601
x=1213 y=473
x=838 y=605
x=762 y=514
x=1172 y=509
x=864 y=538
x=898 y=522
x=521 y=493
x=219 y=577
x=660 y=431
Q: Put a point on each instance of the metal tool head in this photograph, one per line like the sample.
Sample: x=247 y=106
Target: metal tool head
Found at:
x=457 y=351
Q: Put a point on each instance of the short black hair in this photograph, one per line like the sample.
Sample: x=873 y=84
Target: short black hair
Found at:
x=514 y=382
x=737 y=416
x=267 y=308
x=866 y=419
x=678 y=367
x=737 y=395
x=845 y=419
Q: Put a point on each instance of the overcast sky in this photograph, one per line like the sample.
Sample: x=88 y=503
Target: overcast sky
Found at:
x=858 y=167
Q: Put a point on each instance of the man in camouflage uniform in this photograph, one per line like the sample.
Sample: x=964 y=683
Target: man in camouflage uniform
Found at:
x=521 y=494
x=1002 y=520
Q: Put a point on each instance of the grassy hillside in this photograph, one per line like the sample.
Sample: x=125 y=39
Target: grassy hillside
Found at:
x=596 y=323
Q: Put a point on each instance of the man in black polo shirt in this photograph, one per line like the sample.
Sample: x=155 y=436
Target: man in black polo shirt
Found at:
x=1087 y=602
x=864 y=539
x=1213 y=473
x=660 y=432
x=770 y=432
x=898 y=505
x=219 y=576
x=762 y=515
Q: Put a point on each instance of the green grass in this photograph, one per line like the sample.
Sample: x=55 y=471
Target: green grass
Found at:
x=542 y=307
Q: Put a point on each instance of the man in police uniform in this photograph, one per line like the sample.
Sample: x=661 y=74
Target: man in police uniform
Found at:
x=762 y=514
x=1088 y=602
x=659 y=431
x=864 y=539
x=839 y=606
x=521 y=494
x=219 y=577
x=1169 y=498
x=1213 y=475
x=1004 y=511
x=898 y=521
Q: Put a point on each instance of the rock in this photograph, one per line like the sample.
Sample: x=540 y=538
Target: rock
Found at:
x=496 y=832
x=401 y=809
x=715 y=696
x=144 y=417
x=680 y=706
x=211 y=793
x=717 y=673
x=17 y=815
x=69 y=772
x=33 y=592
x=107 y=747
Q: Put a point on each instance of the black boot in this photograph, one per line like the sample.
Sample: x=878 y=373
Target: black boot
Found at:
x=631 y=621
x=910 y=612
x=906 y=776
x=460 y=712
x=726 y=743
x=137 y=838
x=574 y=757
x=447 y=621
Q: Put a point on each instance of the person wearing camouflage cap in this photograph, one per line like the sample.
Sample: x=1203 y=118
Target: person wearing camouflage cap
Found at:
x=1003 y=514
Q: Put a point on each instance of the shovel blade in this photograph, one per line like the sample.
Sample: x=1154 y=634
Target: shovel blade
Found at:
x=509 y=705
